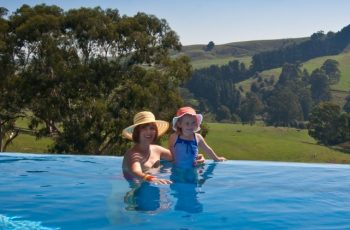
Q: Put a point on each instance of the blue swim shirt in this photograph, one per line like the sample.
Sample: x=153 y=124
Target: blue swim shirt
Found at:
x=186 y=152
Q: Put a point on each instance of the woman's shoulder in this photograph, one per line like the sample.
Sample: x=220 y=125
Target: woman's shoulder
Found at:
x=132 y=153
x=162 y=152
x=158 y=147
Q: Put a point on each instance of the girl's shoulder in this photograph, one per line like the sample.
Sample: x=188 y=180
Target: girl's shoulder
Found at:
x=173 y=136
x=198 y=137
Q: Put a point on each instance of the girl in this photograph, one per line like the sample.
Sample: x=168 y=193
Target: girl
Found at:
x=184 y=143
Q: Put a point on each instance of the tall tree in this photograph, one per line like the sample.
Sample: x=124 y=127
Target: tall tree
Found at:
x=320 y=89
x=85 y=72
x=283 y=108
x=10 y=102
x=346 y=106
x=328 y=125
x=331 y=68
x=250 y=108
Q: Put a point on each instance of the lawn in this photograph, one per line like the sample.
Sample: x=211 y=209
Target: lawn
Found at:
x=258 y=142
x=237 y=142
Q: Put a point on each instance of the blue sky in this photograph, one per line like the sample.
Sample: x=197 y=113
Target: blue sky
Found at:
x=225 y=21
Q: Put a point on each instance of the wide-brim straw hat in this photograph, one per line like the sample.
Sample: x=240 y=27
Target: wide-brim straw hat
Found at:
x=187 y=110
x=145 y=117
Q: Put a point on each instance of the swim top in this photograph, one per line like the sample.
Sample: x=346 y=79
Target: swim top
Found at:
x=186 y=152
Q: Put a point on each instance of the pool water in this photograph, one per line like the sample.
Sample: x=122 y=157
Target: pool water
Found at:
x=89 y=192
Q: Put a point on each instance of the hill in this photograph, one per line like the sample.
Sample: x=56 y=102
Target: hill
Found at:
x=339 y=91
x=241 y=51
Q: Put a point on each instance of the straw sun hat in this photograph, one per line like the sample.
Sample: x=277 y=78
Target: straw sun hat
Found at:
x=187 y=110
x=145 y=117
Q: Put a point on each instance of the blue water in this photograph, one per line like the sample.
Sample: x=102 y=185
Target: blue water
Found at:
x=89 y=192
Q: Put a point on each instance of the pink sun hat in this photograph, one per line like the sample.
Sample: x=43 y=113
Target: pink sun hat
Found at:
x=187 y=110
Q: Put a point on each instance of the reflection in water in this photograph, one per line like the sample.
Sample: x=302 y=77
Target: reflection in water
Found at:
x=147 y=197
x=186 y=187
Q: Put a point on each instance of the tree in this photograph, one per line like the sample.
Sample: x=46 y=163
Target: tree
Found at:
x=85 y=72
x=330 y=67
x=223 y=113
x=290 y=73
x=250 y=107
x=283 y=108
x=10 y=102
x=210 y=46
x=346 y=106
x=328 y=125
x=320 y=89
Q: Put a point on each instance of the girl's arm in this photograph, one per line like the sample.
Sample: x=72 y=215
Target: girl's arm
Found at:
x=171 y=143
x=207 y=149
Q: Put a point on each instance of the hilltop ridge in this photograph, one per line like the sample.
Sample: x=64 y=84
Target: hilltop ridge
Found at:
x=237 y=49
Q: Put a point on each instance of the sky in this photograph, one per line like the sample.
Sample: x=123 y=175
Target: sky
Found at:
x=225 y=21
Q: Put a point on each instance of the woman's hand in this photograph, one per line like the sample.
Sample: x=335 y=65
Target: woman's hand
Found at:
x=155 y=180
x=160 y=181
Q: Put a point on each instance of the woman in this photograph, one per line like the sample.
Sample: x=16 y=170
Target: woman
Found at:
x=145 y=155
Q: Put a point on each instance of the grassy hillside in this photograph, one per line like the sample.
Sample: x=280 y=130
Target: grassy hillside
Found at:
x=245 y=142
x=198 y=64
x=238 y=142
x=222 y=54
x=344 y=66
x=339 y=91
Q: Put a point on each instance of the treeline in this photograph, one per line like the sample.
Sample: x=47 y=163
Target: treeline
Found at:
x=216 y=90
x=285 y=102
x=297 y=99
x=80 y=75
x=319 y=44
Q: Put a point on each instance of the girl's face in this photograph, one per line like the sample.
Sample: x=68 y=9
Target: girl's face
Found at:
x=188 y=124
x=148 y=133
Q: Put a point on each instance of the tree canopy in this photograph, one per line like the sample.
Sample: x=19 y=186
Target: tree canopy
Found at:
x=80 y=75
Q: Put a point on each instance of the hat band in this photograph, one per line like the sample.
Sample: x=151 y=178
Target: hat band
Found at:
x=144 y=119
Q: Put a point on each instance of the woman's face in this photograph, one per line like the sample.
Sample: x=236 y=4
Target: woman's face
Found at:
x=148 y=132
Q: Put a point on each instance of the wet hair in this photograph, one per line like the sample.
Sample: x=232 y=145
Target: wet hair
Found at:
x=137 y=131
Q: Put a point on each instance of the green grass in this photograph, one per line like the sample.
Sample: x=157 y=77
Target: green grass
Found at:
x=245 y=142
x=26 y=143
x=237 y=142
x=339 y=91
x=344 y=66
x=220 y=61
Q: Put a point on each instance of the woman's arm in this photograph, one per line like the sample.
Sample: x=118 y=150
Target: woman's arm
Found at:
x=165 y=154
x=136 y=170
x=207 y=149
x=133 y=162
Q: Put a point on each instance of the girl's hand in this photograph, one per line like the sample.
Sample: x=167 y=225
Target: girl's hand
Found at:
x=221 y=159
x=200 y=159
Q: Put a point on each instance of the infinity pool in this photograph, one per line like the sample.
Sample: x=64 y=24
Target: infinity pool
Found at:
x=89 y=192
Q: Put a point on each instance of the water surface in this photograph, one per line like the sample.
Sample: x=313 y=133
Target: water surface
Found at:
x=89 y=192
